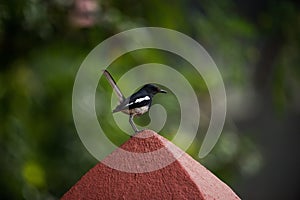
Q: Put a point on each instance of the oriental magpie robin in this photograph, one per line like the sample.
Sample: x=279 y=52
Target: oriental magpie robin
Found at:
x=138 y=103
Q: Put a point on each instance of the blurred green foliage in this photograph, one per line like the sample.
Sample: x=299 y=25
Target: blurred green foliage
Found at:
x=256 y=46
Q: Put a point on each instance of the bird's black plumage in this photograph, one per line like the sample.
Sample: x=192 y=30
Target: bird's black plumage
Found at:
x=138 y=103
x=143 y=97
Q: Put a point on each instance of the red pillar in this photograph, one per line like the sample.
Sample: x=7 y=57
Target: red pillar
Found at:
x=184 y=178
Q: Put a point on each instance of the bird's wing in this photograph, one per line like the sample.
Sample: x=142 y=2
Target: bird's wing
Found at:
x=139 y=99
x=136 y=100
x=114 y=86
x=124 y=105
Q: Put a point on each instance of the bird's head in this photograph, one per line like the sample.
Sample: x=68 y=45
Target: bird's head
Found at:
x=152 y=89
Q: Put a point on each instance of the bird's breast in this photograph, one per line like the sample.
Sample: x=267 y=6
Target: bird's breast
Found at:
x=137 y=111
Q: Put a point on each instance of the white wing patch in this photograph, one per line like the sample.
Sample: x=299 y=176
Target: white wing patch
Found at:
x=142 y=99
x=139 y=100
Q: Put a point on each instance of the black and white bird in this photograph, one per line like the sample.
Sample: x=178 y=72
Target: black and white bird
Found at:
x=138 y=103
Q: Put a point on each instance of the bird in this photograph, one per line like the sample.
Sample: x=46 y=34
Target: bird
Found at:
x=136 y=104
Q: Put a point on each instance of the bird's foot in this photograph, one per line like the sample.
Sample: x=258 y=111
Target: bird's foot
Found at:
x=136 y=132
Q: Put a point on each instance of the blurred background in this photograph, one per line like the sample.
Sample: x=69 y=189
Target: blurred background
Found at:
x=255 y=44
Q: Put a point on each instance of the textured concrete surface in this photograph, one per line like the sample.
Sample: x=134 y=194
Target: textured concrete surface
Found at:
x=184 y=178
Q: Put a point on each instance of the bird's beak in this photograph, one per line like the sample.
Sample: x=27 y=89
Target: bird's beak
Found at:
x=162 y=91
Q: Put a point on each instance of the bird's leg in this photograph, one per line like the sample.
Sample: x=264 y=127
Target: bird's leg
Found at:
x=132 y=123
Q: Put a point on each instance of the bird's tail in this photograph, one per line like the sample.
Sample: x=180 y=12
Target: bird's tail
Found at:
x=114 y=86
